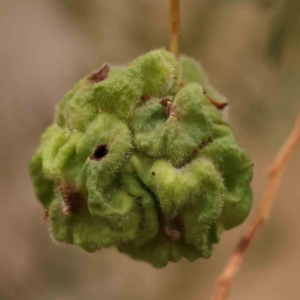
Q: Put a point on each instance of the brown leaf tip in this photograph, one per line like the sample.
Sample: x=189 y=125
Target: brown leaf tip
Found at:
x=101 y=74
x=218 y=105
x=167 y=104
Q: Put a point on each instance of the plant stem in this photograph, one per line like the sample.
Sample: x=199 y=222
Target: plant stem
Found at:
x=174 y=26
x=276 y=171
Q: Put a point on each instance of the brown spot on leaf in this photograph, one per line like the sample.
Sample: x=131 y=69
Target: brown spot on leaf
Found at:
x=170 y=228
x=101 y=74
x=202 y=145
x=196 y=151
x=146 y=97
x=206 y=142
x=72 y=198
x=46 y=215
x=172 y=234
x=173 y=228
x=153 y=173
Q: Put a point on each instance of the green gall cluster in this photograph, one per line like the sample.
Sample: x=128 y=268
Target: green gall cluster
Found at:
x=140 y=158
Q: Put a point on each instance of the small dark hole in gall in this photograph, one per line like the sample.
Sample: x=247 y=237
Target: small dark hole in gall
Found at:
x=153 y=173
x=100 y=152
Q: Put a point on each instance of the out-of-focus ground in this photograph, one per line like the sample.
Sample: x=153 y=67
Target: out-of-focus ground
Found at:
x=250 y=50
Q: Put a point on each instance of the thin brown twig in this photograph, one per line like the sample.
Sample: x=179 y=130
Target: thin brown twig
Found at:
x=174 y=26
x=276 y=171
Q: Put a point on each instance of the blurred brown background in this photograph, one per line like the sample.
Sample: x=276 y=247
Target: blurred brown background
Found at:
x=250 y=50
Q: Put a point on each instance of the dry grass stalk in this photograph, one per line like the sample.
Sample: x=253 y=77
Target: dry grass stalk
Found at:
x=174 y=26
x=275 y=173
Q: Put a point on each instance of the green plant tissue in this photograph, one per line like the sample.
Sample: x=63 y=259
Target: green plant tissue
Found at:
x=140 y=158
